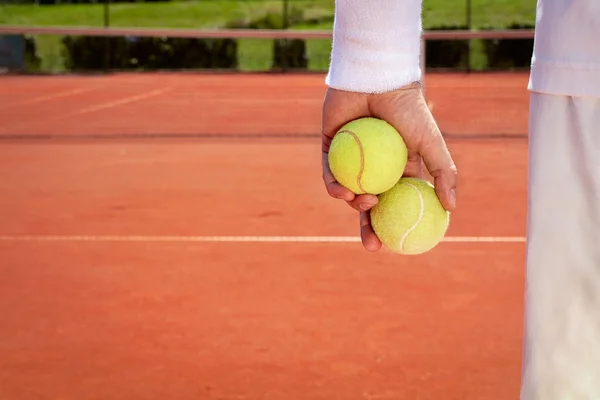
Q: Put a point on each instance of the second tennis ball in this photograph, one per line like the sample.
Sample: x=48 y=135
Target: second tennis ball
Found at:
x=367 y=155
x=409 y=218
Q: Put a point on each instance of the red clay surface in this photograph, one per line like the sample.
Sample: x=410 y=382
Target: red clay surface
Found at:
x=290 y=321
x=232 y=104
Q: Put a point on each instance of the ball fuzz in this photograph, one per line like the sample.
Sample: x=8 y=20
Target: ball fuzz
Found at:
x=409 y=218
x=367 y=155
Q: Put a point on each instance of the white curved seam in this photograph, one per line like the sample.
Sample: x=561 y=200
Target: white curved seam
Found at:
x=421 y=212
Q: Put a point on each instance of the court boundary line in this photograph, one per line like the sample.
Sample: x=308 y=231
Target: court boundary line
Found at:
x=234 y=239
x=48 y=97
x=114 y=103
x=23 y=137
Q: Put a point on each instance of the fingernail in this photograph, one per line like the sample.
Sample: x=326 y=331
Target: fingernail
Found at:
x=365 y=206
x=453 y=197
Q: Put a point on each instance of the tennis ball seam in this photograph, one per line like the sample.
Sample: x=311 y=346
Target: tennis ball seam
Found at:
x=421 y=213
x=362 y=158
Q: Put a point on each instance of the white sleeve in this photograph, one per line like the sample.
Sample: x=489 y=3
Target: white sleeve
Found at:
x=376 y=45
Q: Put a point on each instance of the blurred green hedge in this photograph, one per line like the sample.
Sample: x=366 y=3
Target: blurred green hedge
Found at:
x=156 y=53
x=148 y=53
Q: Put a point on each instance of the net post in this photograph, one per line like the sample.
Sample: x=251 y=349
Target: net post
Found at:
x=107 y=39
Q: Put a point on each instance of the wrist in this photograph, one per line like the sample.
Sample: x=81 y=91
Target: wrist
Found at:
x=376 y=45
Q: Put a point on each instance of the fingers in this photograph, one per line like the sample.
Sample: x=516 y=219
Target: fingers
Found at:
x=334 y=189
x=436 y=156
x=414 y=166
x=368 y=237
x=408 y=112
x=363 y=202
x=339 y=108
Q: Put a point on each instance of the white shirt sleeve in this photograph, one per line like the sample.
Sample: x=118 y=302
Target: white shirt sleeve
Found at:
x=376 y=45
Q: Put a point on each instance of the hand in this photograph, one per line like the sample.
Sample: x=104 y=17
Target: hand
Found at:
x=407 y=111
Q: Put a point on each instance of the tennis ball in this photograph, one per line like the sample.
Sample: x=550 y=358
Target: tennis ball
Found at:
x=409 y=218
x=367 y=155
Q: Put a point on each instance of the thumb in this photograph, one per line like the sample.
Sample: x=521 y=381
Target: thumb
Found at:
x=441 y=166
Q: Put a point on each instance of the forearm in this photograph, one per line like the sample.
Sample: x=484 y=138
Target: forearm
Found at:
x=376 y=45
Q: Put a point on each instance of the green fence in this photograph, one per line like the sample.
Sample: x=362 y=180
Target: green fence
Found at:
x=61 y=53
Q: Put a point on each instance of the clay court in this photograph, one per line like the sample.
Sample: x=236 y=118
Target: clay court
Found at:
x=168 y=236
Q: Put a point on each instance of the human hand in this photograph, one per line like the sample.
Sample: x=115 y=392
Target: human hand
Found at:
x=406 y=110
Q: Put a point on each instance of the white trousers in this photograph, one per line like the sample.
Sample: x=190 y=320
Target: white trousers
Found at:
x=561 y=349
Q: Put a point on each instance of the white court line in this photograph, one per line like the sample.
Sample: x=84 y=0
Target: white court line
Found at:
x=236 y=239
x=47 y=97
x=97 y=107
x=114 y=103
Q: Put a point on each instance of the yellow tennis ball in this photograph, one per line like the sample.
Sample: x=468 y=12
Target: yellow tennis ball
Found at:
x=367 y=155
x=409 y=218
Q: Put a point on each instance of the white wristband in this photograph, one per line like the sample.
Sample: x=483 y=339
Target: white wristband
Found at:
x=376 y=45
